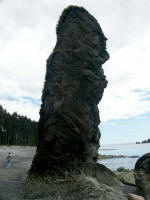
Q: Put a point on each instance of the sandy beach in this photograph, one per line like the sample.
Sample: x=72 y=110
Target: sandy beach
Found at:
x=12 y=179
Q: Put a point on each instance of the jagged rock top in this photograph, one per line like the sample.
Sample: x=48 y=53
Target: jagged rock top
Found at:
x=81 y=29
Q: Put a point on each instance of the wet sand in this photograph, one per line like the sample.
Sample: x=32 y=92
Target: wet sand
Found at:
x=12 y=179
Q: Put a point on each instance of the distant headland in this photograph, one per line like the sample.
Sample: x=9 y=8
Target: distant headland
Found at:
x=144 y=141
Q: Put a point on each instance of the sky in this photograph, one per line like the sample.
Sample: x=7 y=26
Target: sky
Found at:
x=28 y=36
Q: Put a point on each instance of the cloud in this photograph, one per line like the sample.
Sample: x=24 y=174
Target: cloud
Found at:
x=128 y=92
x=23 y=107
x=28 y=37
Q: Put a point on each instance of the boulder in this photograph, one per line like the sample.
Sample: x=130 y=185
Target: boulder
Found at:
x=135 y=197
x=142 y=175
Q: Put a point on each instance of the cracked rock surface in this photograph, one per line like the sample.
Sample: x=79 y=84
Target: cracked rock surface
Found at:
x=74 y=85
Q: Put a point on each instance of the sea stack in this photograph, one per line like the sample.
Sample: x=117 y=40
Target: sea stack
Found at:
x=68 y=133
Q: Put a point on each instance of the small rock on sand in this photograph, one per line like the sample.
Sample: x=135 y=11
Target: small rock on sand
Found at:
x=135 y=197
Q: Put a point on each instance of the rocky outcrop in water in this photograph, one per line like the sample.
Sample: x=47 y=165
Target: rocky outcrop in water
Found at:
x=142 y=175
x=74 y=85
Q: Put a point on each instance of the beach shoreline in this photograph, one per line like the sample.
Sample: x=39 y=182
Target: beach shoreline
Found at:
x=12 y=180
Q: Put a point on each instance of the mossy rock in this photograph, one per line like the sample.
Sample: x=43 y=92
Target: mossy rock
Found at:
x=126 y=175
x=79 y=187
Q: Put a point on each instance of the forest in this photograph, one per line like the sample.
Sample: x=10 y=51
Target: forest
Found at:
x=16 y=129
x=146 y=141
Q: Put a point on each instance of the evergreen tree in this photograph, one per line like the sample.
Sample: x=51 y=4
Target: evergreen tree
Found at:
x=16 y=129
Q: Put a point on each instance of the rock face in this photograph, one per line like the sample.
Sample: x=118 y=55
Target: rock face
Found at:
x=99 y=183
x=68 y=139
x=142 y=175
x=74 y=85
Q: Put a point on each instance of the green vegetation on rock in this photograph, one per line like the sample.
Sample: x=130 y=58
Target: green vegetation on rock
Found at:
x=126 y=175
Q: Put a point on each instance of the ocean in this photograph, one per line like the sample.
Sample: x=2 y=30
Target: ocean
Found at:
x=123 y=149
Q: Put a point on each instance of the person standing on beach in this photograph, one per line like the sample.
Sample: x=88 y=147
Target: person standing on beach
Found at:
x=9 y=157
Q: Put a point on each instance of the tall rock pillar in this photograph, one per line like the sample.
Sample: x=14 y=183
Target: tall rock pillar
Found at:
x=74 y=84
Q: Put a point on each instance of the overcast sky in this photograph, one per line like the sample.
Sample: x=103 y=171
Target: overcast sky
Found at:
x=27 y=37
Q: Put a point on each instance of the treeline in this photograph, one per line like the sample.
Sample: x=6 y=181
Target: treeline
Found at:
x=146 y=141
x=16 y=129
